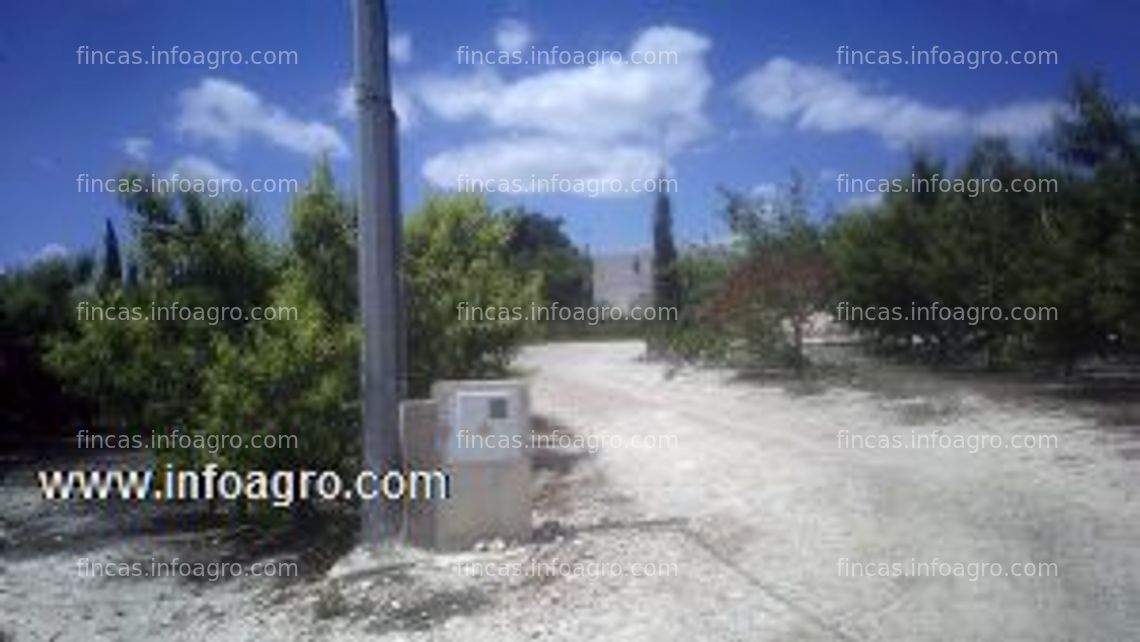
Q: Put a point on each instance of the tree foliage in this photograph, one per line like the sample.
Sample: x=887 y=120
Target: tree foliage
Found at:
x=188 y=250
x=1069 y=250
x=35 y=306
x=112 y=273
x=297 y=376
x=456 y=252
x=782 y=278
x=1071 y=247
x=666 y=280
x=538 y=244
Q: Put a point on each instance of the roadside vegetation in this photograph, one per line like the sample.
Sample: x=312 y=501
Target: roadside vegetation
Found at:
x=297 y=376
x=1074 y=249
x=752 y=303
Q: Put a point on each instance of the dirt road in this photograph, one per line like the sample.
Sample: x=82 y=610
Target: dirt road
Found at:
x=683 y=505
x=795 y=517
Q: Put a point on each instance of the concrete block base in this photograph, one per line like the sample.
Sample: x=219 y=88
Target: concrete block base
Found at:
x=487 y=499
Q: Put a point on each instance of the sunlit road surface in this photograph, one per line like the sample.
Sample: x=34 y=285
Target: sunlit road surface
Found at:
x=767 y=505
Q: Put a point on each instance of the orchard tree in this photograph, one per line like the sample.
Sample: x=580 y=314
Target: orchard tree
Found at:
x=783 y=278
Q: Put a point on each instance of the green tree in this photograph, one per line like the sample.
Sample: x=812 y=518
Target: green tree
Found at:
x=1099 y=143
x=191 y=251
x=456 y=255
x=112 y=272
x=323 y=239
x=538 y=244
x=302 y=377
x=36 y=307
x=883 y=256
x=666 y=281
x=783 y=278
x=211 y=251
x=298 y=376
x=700 y=332
x=1069 y=247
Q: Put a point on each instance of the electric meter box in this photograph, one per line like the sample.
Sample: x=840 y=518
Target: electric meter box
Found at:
x=477 y=433
x=487 y=420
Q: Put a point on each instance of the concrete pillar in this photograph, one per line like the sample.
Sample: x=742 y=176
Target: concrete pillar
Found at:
x=476 y=432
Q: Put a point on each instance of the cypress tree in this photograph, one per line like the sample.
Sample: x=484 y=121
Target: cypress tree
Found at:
x=666 y=281
x=112 y=273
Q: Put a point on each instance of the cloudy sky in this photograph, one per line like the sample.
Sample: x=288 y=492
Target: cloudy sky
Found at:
x=754 y=91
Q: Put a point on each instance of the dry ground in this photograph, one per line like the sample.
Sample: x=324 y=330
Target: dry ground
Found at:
x=751 y=500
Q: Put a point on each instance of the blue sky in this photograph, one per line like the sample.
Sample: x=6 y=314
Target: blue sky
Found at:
x=755 y=92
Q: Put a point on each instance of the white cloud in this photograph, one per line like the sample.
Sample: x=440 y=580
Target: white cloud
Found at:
x=137 y=148
x=600 y=121
x=1019 y=121
x=346 y=101
x=660 y=103
x=227 y=112
x=512 y=35
x=765 y=190
x=400 y=47
x=817 y=99
x=406 y=113
x=460 y=97
x=199 y=167
x=862 y=202
x=50 y=252
x=541 y=158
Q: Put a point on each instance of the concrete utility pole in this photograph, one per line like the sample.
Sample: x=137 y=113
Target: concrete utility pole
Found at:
x=379 y=247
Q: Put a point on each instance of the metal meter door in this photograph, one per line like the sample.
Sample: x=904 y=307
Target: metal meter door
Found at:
x=487 y=426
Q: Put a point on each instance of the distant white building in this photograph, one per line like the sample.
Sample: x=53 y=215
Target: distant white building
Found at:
x=623 y=279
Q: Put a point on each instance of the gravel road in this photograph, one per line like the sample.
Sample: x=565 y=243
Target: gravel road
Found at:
x=765 y=490
x=714 y=509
